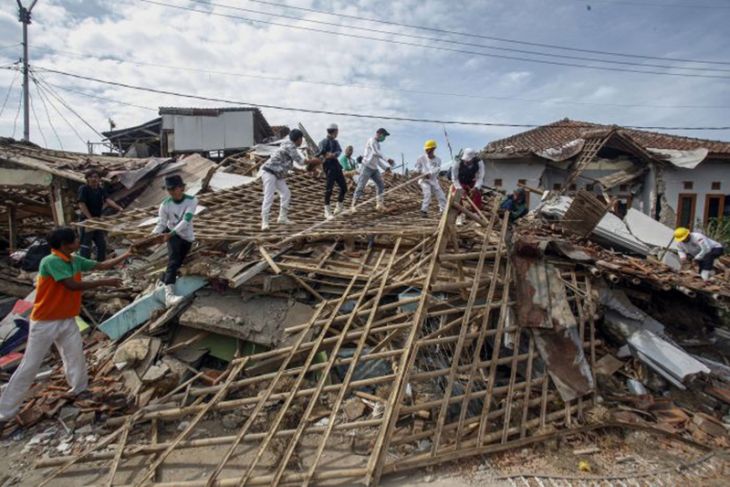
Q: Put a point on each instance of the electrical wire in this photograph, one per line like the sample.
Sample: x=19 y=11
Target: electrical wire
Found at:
x=655 y=4
x=102 y=98
x=11 y=46
x=102 y=57
x=63 y=102
x=17 y=114
x=35 y=116
x=360 y=18
x=55 y=108
x=338 y=113
x=440 y=48
x=10 y=89
x=48 y=115
x=458 y=43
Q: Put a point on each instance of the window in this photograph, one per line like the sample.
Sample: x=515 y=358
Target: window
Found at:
x=686 y=210
x=497 y=183
x=590 y=187
x=623 y=188
x=572 y=187
x=716 y=186
x=714 y=207
x=522 y=182
x=688 y=185
x=557 y=187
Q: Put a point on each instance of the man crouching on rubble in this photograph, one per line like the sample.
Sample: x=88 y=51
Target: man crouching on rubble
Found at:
x=53 y=319
x=701 y=248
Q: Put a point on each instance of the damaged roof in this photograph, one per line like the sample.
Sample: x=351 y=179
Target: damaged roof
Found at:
x=562 y=132
x=68 y=165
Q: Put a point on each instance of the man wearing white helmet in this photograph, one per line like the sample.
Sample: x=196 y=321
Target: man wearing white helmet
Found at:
x=467 y=174
x=371 y=161
x=329 y=151
x=429 y=165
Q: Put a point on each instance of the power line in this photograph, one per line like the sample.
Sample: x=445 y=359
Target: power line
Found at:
x=42 y=90
x=102 y=98
x=38 y=124
x=103 y=57
x=11 y=46
x=441 y=48
x=656 y=4
x=338 y=113
x=48 y=115
x=17 y=114
x=360 y=18
x=10 y=89
x=458 y=43
x=63 y=102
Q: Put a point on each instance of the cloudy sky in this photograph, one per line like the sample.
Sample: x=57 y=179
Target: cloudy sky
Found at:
x=295 y=53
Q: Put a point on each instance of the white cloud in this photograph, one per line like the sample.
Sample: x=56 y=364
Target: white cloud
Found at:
x=104 y=30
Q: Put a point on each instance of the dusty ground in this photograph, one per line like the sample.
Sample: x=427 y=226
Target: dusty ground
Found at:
x=618 y=453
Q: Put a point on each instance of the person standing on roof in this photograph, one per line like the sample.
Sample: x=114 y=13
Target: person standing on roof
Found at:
x=58 y=293
x=175 y=227
x=274 y=173
x=92 y=198
x=370 y=162
x=701 y=248
x=429 y=165
x=329 y=151
x=515 y=204
x=467 y=174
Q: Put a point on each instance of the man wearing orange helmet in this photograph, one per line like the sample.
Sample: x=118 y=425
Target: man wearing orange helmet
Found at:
x=429 y=165
x=701 y=248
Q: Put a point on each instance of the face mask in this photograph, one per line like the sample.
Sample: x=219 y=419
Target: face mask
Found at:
x=381 y=138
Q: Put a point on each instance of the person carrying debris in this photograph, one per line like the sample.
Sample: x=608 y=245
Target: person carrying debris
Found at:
x=53 y=319
x=429 y=165
x=330 y=150
x=370 y=162
x=467 y=174
x=515 y=204
x=701 y=248
x=274 y=173
x=175 y=226
x=92 y=198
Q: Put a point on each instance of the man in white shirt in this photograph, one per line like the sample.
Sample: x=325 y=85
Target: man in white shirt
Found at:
x=700 y=247
x=175 y=227
x=429 y=165
x=371 y=160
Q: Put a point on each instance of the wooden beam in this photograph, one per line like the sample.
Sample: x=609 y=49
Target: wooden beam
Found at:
x=12 y=228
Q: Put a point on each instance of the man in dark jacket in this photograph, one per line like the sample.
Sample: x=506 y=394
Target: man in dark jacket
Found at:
x=515 y=204
x=329 y=151
x=92 y=198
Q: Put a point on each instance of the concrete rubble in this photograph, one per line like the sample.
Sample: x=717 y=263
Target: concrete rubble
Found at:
x=375 y=343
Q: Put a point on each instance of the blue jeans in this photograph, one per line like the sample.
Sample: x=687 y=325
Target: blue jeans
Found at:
x=367 y=174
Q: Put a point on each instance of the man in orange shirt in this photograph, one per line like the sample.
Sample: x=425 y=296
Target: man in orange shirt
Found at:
x=53 y=319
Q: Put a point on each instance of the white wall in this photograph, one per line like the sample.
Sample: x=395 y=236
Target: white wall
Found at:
x=229 y=130
x=510 y=171
x=702 y=178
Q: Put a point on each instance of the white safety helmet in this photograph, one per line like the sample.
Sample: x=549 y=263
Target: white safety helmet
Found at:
x=469 y=154
x=333 y=126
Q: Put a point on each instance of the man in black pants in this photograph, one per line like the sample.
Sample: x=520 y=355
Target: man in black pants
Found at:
x=329 y=151
x=92 y=198
x=175 y=226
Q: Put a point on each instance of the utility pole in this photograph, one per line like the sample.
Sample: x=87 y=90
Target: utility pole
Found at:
x=24 y=17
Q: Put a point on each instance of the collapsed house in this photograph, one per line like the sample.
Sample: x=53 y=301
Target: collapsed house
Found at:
x=680 y=181
x=374 y=343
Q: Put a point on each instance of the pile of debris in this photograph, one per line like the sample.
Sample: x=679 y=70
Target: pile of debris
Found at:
x=378 y=342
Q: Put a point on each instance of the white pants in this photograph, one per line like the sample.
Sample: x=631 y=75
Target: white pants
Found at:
x=65 y=334
x=273 y=184
x=429 y=186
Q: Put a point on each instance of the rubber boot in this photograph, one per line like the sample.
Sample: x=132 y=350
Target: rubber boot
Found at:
x=265 y=223
x=460 y=219
x=339 y=208
x=328 y=212
x=171 y=299
x=354 y=203
x=282 y=216
x=706 y=275
x=379 y=206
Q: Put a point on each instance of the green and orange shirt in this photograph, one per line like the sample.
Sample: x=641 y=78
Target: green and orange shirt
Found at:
x=53 y=300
